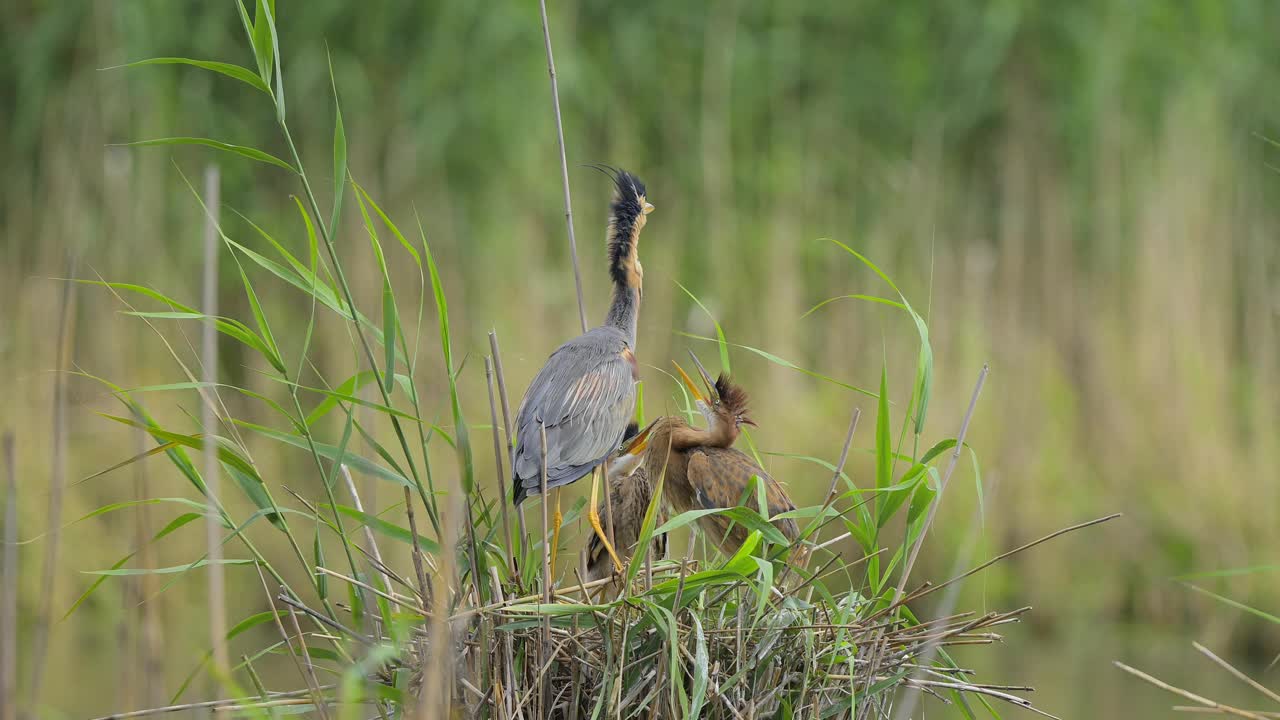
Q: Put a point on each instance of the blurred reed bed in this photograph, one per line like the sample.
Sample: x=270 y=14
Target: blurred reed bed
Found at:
x=1083 y=201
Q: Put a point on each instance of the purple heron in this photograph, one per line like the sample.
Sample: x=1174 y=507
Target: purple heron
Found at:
x=585 y=393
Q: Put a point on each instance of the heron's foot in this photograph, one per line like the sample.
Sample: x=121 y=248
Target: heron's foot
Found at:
x=593 y=517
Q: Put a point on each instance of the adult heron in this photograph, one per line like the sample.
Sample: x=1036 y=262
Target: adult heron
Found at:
x=585 y=394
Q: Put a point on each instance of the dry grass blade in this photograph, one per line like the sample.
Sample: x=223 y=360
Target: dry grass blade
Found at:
x=1206 y=702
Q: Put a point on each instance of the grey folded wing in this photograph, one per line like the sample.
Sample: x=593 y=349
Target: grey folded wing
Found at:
x=584 y=395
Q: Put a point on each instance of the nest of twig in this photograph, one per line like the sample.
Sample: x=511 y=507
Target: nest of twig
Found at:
x=718 y=649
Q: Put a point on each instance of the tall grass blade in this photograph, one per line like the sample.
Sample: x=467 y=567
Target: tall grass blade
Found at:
x=446 y=345
x=238 y=72
x=241 y=150
x=339 y=151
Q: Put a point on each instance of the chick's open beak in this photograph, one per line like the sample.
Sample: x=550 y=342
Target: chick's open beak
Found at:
x=688 y=383
x=638 y=443
x=648 y=208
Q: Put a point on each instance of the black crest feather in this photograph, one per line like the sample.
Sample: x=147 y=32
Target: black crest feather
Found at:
x=624 y=211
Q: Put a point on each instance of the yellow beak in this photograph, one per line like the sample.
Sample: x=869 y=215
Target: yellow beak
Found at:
x=688 y=383
x=639 y=442
x=648 y=208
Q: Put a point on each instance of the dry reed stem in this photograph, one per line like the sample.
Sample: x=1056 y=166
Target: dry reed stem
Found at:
x=312 y=681
x=417 y=549
x=1206 y=702
x=1216 y=711
x=1268 y=692
x=501 y=474
x=217 y=602
x=435 y=699
x=284 y=634
x=904 y=710
x=57 y=481
x=546 y=569
x=368 y=531
x=506 y=430
x=205 y=705
x=844 y=457
x=152 y=637
x=9 y=588
x=564 y=164
x=928 y=522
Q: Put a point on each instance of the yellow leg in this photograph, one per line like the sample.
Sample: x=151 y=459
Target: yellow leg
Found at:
x=593 y=517
x=556 y=520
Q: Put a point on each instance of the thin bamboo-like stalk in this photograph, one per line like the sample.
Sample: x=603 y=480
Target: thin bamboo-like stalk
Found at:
x=500 y=378
x=564 y=164
x=9 y=588
x=544 y=655
x=501 y=474
x=57 y=483
x=208 y=420
x=438 y=674
x=151 y=638
x=874 y=654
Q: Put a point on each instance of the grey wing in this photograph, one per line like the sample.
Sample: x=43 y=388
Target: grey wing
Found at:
x=585 y=395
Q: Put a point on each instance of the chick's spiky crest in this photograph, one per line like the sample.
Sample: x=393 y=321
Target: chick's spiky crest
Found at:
x=733 y=399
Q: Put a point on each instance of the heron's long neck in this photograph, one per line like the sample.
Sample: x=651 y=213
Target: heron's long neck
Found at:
x=624 y=311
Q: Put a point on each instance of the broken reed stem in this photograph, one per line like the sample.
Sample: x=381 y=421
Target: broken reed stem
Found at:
x=1206 y=702
x=151 y=644
x=312 y=681
x=368 y=531
x=844 y=457
x=942 y=486
x=438 y=672
x=284 y=635
x=506 y=430
x=208 y=418
x=1271 y=695
x=417 y=548
x=9 y=588
x=875 y=653
x=498 y=465
x=207 y=704
x=927 y=589
x=904 y=710
x=546 y=573
x=564 y=164
x=57 y=480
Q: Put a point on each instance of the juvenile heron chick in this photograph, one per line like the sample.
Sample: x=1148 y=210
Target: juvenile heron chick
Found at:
x=585 y=393
x=630 y=492
x=702 y=470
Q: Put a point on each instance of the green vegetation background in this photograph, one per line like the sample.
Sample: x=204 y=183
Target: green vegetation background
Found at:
x=1079 y=192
